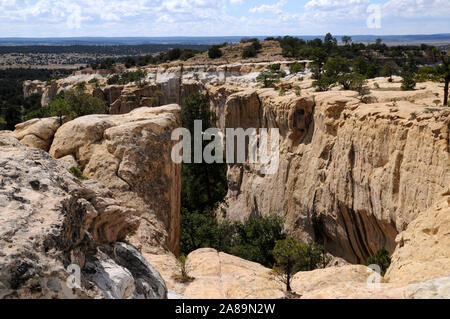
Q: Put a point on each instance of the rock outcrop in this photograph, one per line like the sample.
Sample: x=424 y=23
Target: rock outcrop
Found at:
x=131 y=155
x=351 y=175
x=423 y=249
x=37 y=133
x=60 y=237
x=219 y=276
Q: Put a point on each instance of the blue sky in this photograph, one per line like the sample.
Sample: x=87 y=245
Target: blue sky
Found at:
x=114 y=18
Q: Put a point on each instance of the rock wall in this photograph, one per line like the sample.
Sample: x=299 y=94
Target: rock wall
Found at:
x=351 y=175
x=131 y=155
x=50 y=221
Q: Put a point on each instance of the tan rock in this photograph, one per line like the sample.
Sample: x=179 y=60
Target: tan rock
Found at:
x=363 y=171
x=37 y=133
x=218 y=276
x=50 y=220
x=423 y=251
x=131 y=154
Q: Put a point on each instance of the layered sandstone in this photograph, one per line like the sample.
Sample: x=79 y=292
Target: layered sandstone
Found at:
x=131 y=155
x=351 y=175
x=423 y=249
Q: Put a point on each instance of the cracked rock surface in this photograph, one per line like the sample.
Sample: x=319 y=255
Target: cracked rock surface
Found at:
x=51 y=222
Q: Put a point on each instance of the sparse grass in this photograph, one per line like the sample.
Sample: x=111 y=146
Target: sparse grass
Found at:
x=77 y=173
x=183 y=276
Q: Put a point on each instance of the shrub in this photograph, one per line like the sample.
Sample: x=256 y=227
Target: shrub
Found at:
x=215 y=52
x=75 y=103
x=249 y=52
x=77 y=173
x=187 y=54
x=127 y=77
x=252 y=50
x=296 y=68
x=408 y=82
x=298 y=91
x=381 y=258
x=268 y=79
x=3 y=123
x=184 y=273
x=253 y=240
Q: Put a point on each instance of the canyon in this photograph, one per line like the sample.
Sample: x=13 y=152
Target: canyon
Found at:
x=354 y=176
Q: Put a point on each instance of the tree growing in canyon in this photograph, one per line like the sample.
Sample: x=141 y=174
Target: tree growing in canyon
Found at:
x=292 y=256
x=76 y=103
x=203 y=185
x=381 y=258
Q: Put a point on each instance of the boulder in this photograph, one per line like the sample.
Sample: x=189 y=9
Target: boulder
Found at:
x=37 y=133
x=60 y=237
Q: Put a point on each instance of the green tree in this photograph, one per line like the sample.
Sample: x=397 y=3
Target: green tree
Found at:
x=288 y=259
x=255 y=239
x=381 y=258
x=346 y=39
x=203 y=185
x=359 y=84
x=360 y=65
x=292 y=256
x=215 y=52
x=268 y=78
x=76 y=103
x=3 y=123
x=389 y=69
x=408 y=82
x=296 y=67
x=334 y=67
x=444 y=72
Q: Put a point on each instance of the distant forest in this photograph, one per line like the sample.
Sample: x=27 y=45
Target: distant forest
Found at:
x=13 y=105
x=113 y=50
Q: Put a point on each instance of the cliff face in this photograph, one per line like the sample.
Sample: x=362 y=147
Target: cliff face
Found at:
x=131 y=155
x=351 y=175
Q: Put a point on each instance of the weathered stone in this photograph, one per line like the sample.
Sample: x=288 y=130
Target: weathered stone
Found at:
x=51 y=222
x=131 y=154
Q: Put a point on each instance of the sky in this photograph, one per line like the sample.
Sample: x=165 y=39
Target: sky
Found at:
x=162 y=18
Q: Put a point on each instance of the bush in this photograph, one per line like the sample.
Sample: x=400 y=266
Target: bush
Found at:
x=252 y=50
x=77 y=173
x=3 y=124
x=249 y=52
x=408 y=82
x=183 y=277
x=253 y=240
x=382 y=259
x=215 y=52
x=127 y=77
x=75 y=103
x=296 y=68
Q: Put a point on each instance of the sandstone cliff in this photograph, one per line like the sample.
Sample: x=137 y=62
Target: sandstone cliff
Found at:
x=131 y=155
x=351 y=175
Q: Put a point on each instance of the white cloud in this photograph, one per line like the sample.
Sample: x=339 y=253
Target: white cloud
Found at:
x=416 y=8
x=269 y=8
